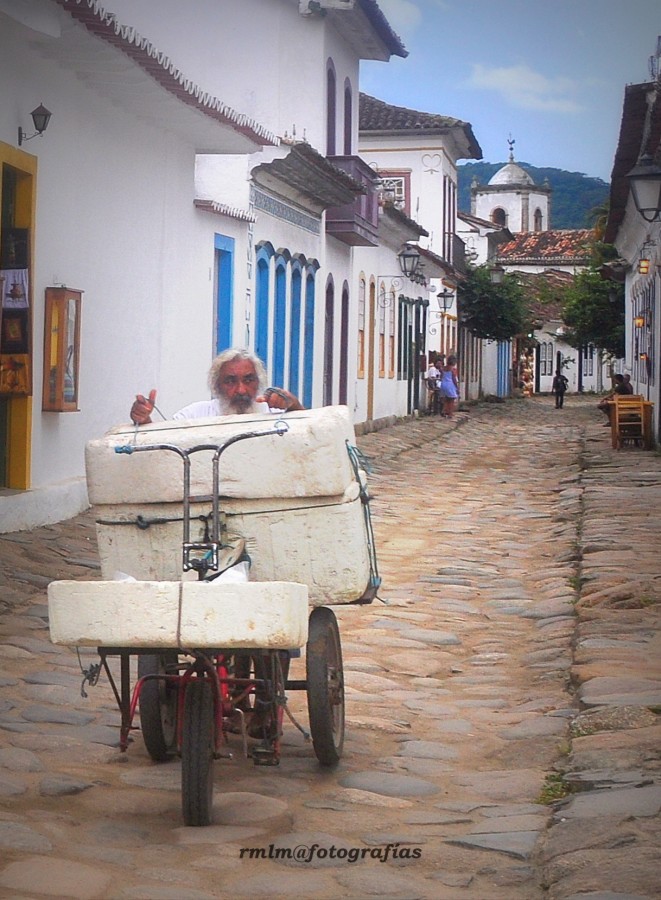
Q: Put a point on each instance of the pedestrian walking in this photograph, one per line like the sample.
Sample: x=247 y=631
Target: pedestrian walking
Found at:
x=559 y=388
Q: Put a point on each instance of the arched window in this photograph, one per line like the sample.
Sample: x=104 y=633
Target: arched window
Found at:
x=391 y=333
x=344 y=346
x=362 y=292
x=537 y=218
x=279 y=320
x=348 y=118
x=329 y=336
x=308 y=338
x=499 y=216
x=382 y=334
x=295 y=328
x=331 y=107
x=262 y=291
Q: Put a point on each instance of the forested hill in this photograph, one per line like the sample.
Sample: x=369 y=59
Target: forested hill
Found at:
x=574 y=194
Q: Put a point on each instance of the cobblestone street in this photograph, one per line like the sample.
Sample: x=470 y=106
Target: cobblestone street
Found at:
x=502 y=697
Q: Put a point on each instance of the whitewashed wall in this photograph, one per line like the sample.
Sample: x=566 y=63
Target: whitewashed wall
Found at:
x=114 y=219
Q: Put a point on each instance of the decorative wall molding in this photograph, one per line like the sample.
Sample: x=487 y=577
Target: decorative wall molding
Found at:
x=285 y=212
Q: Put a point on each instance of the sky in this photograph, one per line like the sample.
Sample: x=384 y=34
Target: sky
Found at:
x=549 y=73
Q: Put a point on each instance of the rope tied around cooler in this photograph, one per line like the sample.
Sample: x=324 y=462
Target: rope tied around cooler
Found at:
x=360 y=462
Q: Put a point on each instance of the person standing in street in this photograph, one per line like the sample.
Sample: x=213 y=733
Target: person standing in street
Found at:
x=432 y=379
x=449 y=386
x=559 y=388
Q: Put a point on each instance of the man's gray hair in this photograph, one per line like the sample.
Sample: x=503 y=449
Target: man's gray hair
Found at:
x=231 y=355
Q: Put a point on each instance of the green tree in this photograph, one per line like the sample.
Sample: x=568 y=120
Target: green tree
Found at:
x=492 y=311
x=594 y=312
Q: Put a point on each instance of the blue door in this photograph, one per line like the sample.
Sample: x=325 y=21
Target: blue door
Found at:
x=224 y=250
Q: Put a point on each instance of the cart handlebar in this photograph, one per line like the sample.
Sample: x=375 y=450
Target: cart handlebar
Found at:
x=280 y=427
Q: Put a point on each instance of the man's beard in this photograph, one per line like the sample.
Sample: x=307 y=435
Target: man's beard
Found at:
x=237 y=406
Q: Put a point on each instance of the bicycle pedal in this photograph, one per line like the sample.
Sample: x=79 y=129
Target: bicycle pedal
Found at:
x=265 y=756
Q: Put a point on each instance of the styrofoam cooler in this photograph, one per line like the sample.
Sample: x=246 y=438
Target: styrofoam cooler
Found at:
x=293 y=498
x=160 y=614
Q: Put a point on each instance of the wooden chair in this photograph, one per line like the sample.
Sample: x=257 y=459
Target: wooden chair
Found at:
x=628 y=421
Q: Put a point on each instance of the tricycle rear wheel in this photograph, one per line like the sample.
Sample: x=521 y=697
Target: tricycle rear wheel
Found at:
x=158 y=705
x=325 y=686
x=197 y=753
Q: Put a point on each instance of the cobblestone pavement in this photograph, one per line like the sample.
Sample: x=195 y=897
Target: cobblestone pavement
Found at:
x=502 y=697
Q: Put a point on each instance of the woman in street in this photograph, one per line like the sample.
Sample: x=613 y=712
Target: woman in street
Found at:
x=449 y=386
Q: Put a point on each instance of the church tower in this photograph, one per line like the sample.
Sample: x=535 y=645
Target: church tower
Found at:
x=512 y=199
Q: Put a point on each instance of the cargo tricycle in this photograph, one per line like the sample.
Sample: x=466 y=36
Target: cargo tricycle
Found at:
x=207 y=646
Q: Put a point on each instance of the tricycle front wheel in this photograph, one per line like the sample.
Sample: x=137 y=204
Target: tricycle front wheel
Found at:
x=197 y=753
x=325 y=686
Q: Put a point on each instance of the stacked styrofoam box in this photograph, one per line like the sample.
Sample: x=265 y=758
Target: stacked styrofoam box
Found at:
x=191 y=615
x=294 y=498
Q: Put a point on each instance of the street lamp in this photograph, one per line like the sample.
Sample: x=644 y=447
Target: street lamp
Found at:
x=496 y=274
x=409 y=261
x=445 y=299
x=645 y=181
x=40 y=117
x=410 y=266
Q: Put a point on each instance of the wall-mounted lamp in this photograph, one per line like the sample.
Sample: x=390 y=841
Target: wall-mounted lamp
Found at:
x=639 y=321
x=643 y=266
x=645 y=181
x=643 y=356
x=41 y=118
x=445 y=299
x=496 y=274
x=411 y=268
x=409 y=261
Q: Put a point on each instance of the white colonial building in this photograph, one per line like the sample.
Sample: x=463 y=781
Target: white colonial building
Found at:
x=637 y=234
x=415 y=155
x=180 y=200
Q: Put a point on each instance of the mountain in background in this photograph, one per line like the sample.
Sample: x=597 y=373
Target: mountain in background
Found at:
x=574 y=194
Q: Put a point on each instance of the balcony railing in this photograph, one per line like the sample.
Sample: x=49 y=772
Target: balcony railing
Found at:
x=356 y=223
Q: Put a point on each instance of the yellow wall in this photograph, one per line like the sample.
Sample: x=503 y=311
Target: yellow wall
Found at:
x=19 y=450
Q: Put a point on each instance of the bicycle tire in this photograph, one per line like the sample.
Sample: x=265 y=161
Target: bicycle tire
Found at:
x=325 y=686
x=158 y=705
x=197 y=753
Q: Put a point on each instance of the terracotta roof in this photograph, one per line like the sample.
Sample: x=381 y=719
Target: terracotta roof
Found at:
x=630 y=148
x=222 y=209
x=445 y=268
x=310 y=174
x=392 y=210
x=477 y=222
x=104 y=25
x=556 y=246
x=382 y=27
x=544 y=292
x=376 y=116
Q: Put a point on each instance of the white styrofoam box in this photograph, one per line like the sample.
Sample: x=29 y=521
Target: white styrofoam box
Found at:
x=174 y=614
x=310 y=460
x=273 y=615
x=320 y=543
x=114 y=613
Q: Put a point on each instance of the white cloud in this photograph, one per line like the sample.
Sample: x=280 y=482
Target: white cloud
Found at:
x=524 y=88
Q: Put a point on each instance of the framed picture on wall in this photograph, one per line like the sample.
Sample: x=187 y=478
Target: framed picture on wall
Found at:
x=14 y=334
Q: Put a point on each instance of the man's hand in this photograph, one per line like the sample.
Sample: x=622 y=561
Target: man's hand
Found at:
x=142 y=408
x=278 y=398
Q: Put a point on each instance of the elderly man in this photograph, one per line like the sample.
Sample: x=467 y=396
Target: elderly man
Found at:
x=237 y=381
